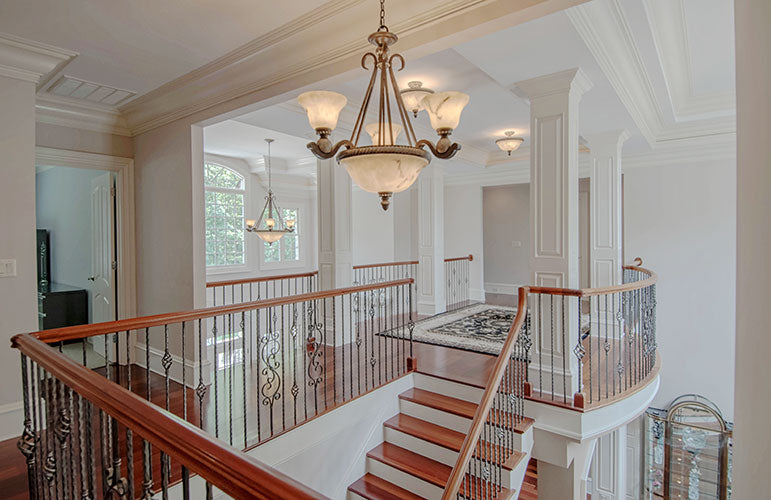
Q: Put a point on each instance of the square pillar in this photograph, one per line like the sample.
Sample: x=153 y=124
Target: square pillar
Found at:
x=554 y=101
x=431 y=279
x=605 y=256
x=335 y=236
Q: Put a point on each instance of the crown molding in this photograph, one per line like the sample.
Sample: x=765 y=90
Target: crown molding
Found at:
x=605 y=30
x=79 y=114
x=670 y=37
x=708 y=149
x=307 y=50
x=31 y=61
x=570 y=80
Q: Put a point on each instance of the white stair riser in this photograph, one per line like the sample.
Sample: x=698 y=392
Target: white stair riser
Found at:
x=403 y=480
x=354 y=496
x=452 y=389
x=421 y=447
x=438 y=417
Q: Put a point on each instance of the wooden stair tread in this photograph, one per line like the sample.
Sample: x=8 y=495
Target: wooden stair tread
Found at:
x=446 y=438
x=424 y=468
x=455 y=406
x=411 y=463
x=373 y=487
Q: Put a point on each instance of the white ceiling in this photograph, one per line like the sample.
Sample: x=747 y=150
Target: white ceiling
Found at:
x=489 y=67
x=140 y=44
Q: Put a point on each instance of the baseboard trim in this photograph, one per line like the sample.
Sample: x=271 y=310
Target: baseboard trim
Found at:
x=502 y=288
x=11 y=420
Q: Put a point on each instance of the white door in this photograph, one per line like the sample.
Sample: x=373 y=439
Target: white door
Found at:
x=102 y=249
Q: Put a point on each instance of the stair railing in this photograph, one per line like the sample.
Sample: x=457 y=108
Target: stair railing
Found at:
x=220 y=293
x=490 y=440
x=242 y=373
x=456 y=275
x=73 y=418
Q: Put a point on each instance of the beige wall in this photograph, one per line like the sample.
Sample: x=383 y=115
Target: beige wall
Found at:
x=506 y=221
x=18 y=294
x=58 y=137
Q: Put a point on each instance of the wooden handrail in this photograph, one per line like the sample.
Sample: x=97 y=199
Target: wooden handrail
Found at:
x=590 y=292
x=482 y=411
x=468 y=257
x=386 y=264
x=260 y=279
x=233 y=472
x=84 y=331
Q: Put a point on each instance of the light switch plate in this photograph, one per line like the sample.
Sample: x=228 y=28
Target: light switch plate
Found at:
x=7 y=268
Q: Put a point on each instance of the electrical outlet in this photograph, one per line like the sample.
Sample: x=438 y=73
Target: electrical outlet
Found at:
x=516 y=243
x=7 y=268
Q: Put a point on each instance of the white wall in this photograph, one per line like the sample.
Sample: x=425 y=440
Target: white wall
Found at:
x=405 y=209
x=463 y=231
x=506 y=237
x=373 y=229
x=63 y=206
x=18 y=294
x=58 y=137
x=682 y=221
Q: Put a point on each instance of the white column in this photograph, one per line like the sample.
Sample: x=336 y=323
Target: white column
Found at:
x=753 y=343
x=22 y=64
x=554 y=103
x=335 y=234
x=605 y=261
x=431 y=285
x=605 y=212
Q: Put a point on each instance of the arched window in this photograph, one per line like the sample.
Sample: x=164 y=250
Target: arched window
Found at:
x=224 y=202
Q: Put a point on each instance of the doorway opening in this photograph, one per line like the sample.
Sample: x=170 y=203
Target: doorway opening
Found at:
x=77 y=264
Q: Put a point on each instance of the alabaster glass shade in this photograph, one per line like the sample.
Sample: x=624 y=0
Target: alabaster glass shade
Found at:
x=412 y=97
x=250 y=222
x=372 y=130
x=444 y=109
x=509 y=144
x=269 y=236
x=323 y=108
x=384 y=172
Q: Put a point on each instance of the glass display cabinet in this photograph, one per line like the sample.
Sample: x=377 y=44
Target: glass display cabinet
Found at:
x=687 y=451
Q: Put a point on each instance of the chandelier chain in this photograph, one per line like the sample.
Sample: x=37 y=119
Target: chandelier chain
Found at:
x=382 y=16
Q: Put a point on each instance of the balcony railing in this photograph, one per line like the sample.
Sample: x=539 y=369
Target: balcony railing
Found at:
x=457 y=274
x=220 y=293
x=113 y=407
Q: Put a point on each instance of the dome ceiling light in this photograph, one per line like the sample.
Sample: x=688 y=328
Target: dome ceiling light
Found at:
x=509 y=143
x=384 y=167
x=413 y=96
x=270 y=227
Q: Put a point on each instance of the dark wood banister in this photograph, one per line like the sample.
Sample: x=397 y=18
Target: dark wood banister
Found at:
x=480 y=415
x=386 y=264
x=468 y=257
x=260 y=279
x=230 y=470
x=84 y=331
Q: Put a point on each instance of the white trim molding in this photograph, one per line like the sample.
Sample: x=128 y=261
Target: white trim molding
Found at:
x=125 y=251
x=31 y=61
x=79 y=114
x=604 y=28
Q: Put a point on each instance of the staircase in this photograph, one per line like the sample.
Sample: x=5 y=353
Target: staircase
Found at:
x=422 y=442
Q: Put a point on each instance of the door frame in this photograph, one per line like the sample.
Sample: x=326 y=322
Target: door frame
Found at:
x=124 y=202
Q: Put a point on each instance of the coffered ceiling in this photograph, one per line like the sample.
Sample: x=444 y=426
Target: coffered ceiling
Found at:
x=663 y=80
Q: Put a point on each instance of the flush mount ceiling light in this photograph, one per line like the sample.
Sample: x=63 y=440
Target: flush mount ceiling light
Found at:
x=270 y=227
x=413 y=96
x=384 y=167
x=509 y=143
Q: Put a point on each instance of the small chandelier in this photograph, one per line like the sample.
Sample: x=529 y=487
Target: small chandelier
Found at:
x=271 y=228
x=413 y=96
x=384 y=167
x=509 y=143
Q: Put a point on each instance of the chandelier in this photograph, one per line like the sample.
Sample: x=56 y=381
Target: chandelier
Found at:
x=271 y=228
x=509 y=143
x=384 y=167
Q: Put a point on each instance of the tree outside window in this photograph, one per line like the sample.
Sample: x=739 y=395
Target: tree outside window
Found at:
x=224 y=206
x=287 y=249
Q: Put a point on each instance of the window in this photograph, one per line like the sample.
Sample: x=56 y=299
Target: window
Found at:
x=224 y=216
x=287 y=249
